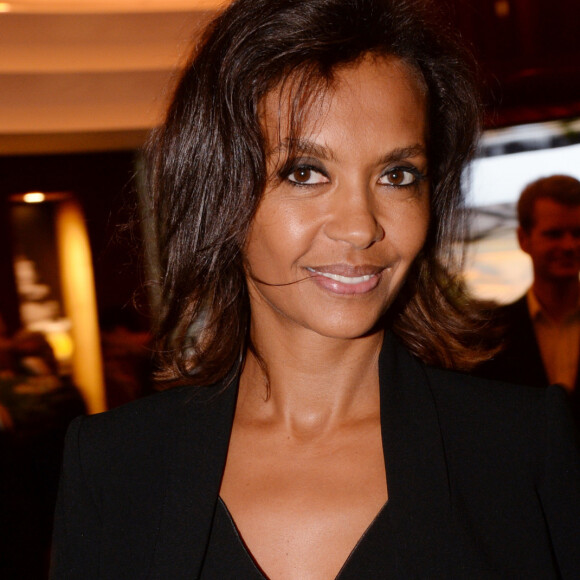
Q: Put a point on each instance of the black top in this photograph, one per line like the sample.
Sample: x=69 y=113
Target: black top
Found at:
x=483 y=477
x=228 y=557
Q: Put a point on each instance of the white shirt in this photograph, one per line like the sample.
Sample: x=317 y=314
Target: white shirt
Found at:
x=559 y=342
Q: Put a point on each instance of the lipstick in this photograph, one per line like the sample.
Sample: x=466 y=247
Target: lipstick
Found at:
x=346 y=279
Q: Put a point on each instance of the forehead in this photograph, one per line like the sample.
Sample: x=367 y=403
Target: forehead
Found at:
x=550 y=214
x=371 y=88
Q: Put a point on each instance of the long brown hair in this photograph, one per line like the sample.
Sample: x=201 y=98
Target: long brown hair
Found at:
x=207 y=171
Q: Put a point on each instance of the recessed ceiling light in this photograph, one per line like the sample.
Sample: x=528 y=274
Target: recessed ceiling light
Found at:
x=34 y=197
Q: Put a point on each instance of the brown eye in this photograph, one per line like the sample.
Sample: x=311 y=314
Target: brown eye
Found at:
x=399 y=177
x=305 y=175
x=396 y=177
x=302 y=175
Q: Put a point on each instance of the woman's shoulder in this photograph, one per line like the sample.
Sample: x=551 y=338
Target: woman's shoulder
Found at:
x=465 y=387
x=141 y=414
x=483 y=393
x=479 y=409
x=459 y=393
x=142 y=432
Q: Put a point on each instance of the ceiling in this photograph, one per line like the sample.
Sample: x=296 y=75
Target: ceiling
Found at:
x=89 y=75
x=94 y=75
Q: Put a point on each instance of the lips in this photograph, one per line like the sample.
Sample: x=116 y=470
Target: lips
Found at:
x=345 y=278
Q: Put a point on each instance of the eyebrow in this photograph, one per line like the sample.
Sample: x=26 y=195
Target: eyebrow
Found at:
x=306 y=147
x=402 y=153
x=302 y=147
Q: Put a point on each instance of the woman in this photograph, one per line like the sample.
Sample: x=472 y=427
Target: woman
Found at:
x=306 y=185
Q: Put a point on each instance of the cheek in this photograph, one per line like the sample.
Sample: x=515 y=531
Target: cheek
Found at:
x=288 y=226
x=547 y=246
x=260 y=251
x=277 y=238
x=297 y=224
x=408 y=230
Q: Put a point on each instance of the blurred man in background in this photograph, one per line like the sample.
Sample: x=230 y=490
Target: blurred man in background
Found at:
x=542 y=329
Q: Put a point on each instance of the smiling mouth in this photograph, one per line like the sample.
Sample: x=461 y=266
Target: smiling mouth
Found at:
x=351 y=280
x=346 y=279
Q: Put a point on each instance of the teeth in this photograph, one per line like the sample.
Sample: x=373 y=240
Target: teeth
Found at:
x=345 y=279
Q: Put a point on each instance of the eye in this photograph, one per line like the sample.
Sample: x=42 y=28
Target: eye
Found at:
x=306 y=175
x=400 y=176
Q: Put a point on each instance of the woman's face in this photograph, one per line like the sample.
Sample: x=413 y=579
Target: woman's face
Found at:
x=337 y=230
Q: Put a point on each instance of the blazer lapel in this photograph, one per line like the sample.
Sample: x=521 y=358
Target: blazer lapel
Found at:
x=194 y=479
x=419 y=496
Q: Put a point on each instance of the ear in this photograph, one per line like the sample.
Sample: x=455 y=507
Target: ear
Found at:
x=523 y=239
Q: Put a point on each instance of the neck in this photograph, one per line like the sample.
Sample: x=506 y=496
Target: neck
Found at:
x=557 y=297
x=315 y=383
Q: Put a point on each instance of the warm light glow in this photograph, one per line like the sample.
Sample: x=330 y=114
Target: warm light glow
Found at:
x=5 y=7
x=110 y=6
x=34 y=197
x=502 y=8
x=62 y=345
x=78 y=287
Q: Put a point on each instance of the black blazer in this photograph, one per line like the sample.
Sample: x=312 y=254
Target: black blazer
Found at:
x=520 y=360
x=484 y=480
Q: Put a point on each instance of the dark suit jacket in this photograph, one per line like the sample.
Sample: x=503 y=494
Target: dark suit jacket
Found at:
x=483 y=477
x=520 y=360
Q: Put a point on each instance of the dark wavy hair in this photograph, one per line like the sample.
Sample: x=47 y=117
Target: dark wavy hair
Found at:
x=207 y=170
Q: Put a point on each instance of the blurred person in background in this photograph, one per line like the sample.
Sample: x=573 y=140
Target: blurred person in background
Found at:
x=541 y=330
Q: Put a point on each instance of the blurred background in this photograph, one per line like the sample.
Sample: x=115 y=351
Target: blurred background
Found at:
x=81 y=84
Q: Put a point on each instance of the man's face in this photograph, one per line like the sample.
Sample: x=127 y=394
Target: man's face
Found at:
x=553 y=242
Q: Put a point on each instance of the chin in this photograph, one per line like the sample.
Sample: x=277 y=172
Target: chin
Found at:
x=349 y=334
x=348 y=327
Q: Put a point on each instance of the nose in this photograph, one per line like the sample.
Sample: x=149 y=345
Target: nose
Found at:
x=353 y=219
